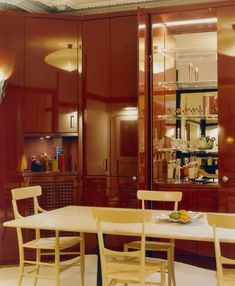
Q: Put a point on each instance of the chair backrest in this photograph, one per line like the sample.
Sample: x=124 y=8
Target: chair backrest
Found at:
x=25 y=193
x=220 y=221
x=132 y=218
x=158 y=196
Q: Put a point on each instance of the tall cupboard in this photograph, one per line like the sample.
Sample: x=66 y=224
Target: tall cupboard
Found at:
x=110 y=111
x=191 y=86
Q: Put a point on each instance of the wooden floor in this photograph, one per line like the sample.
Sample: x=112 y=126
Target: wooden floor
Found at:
x=185 y=275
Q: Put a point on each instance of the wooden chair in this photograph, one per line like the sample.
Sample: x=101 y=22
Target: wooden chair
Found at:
x=55 y=246
x=225 y=276
x=122 y=266
x=165 y=246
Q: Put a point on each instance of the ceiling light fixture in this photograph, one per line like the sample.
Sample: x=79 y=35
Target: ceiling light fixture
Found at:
x=5 y=73
x=65 y=59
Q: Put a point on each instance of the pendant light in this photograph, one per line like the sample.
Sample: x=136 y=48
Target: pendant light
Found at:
x=65 y=59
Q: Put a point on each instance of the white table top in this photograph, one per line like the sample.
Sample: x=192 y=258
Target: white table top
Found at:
x=79 y=218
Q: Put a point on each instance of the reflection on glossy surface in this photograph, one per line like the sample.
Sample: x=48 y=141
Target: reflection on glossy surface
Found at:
x=143 y=85
x=226 y=102
x=51 y=94
x=227 y=34
x=65 y=59
x=11 y=55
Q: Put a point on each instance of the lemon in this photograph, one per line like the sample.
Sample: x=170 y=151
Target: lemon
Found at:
x=182 y=212
x=185 y=217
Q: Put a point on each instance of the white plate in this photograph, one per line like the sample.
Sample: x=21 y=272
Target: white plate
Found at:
x=194 y=216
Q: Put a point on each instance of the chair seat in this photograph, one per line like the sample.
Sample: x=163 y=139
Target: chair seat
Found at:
x=229 y=277
x=131 y=269
x=151 y=245
x=50 y=242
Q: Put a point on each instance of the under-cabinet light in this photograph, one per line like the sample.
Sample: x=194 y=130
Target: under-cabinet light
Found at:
x=142 y=26
x=130 y=108
x=186 y=22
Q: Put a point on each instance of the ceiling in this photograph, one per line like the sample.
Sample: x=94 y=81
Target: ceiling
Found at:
x=85 y=6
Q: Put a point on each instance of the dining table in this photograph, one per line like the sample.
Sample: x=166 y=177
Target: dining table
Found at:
x=80 y=219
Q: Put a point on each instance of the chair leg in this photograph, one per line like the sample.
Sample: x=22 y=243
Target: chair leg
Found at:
x=57 y=263
x=169 y=266
x=82 y=262
x=163 y=274
x=38 y=259
x=126 y=248
x=173 y=266
x=21 y=270
x=21 y=265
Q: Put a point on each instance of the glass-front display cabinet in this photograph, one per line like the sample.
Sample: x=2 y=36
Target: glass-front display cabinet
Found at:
x=184 y=98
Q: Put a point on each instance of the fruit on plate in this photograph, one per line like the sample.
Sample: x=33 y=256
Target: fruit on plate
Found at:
x=175 y=215
x=180 y=214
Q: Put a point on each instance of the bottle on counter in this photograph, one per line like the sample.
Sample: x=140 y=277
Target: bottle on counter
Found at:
x=164 y=166
x=33 y=162
x=171 y=170
x=61 y=161
x=178 y=171
x=54 y=165
x=23 y=163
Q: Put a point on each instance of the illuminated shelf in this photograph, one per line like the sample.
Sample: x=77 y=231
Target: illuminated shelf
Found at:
x=173 y=85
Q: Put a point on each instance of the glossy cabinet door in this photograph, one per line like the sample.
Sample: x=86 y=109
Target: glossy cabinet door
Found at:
x=110 y=107
x=51 y=93
x=96 y=96
x=123 y=108
x=143 y=90
x=11 y=91
x=226 y=102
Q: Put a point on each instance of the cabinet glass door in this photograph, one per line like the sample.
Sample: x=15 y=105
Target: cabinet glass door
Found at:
x=184 y=97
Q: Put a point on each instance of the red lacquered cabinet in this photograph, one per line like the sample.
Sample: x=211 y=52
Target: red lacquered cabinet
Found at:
x=169 y=74
x=226 y=102
x=51 y=93
x=11 y=59
x=109 y=108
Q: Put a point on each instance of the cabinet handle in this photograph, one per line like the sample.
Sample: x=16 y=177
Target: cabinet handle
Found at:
x=134 y=178
x=71 y=121
x=225 y=179
x=117 y=167
x=106 y=165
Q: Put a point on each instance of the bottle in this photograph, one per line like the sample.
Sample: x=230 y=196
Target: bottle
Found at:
x=178 y=170
x=54 y=165
x=164 y=167
x=24 y=163
x=33 y=162
x=61 y=161
x=170 y=170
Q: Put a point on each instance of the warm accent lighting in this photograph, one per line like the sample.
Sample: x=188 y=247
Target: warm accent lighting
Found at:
x=187 y=22
x=5 y=73
x=128 y=108
x=65 y=59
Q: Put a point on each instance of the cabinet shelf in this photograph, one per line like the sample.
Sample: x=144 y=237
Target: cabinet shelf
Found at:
x=189 y=150
x=175 y=85
x=187 y=117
